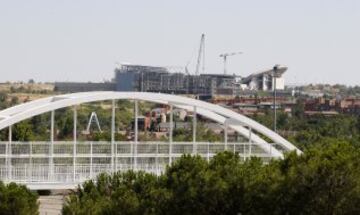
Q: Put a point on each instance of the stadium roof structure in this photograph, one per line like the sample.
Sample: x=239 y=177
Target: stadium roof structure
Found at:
x=279 y=72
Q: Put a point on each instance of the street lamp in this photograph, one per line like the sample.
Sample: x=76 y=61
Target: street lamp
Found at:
x=275 y=75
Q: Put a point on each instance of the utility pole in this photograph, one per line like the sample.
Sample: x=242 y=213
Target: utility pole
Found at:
x=275 y=75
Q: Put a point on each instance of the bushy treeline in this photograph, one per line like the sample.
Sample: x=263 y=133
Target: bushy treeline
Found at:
x=323 y=180
x=304 y=131
x=17 y=200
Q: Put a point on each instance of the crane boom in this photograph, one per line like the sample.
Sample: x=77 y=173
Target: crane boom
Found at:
x=224 y=56
x=230 y=54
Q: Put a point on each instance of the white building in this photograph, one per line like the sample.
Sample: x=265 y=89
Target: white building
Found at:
x=265 y=80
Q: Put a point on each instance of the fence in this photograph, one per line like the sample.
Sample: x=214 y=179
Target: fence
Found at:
x=69 y=162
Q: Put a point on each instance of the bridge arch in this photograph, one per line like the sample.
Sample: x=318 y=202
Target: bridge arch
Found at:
x=214 y=112
x=230 y=119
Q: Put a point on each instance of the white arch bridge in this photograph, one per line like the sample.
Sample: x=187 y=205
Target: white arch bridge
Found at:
x=63 y=165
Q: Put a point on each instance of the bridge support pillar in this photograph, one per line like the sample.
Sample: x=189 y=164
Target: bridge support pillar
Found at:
x=157 y=159
x=113 y=158
x=9 y=154
x=51 y=150
x=91 y=159
x=136 y=130
x=194 y=130
x=74 y=143
x=171 y=133
x=30 y=161
x=208 y=151
x=250 y=141
x=226 y=135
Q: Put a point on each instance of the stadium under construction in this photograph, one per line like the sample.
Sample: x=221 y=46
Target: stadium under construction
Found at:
x=142 y=78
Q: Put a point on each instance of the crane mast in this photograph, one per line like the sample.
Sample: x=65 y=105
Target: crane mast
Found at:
x=201 y=55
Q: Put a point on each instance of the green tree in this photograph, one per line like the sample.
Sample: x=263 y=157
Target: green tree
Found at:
x=186 y=180
x=17 y=199
x=3 y=100
x=120 y=193
x=64 y=123
x=299 y=109
x=324 y=180
x=23 y=131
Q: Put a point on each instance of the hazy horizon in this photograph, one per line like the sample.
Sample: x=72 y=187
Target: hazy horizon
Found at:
x=49 y=40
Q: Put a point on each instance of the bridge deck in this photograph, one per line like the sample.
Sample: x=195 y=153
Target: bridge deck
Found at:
x=63 y=165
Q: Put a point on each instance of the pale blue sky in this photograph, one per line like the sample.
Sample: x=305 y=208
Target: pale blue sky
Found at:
x=80 y=40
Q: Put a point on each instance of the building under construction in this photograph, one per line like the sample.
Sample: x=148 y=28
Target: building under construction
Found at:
x=142 y=78
x=160 y=79
x=130 y=77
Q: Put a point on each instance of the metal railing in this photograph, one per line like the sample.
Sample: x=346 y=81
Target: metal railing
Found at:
x=42 y=162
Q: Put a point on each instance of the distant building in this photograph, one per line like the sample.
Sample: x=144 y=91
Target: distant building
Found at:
x=265 y=80
x=138 y=77
x=142 y=78
x=159 y=79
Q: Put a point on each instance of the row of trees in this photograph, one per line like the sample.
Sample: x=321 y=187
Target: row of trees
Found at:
x=323 y=180
x=304 y=131
x=7 y=101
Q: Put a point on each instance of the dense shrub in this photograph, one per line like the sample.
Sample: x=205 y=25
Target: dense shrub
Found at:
x=18 y=200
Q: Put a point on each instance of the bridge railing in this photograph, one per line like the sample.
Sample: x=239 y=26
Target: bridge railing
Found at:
x=65 y=162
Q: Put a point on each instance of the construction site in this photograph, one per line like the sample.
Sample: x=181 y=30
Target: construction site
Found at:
x=178 y=80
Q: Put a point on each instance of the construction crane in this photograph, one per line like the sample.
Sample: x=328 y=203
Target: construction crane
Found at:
x=225 y=55
x=201 y=55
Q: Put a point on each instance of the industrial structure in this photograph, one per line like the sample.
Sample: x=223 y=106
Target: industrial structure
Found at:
x=63 y=165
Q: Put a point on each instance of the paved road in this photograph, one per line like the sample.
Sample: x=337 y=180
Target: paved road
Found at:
x=51 y=205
